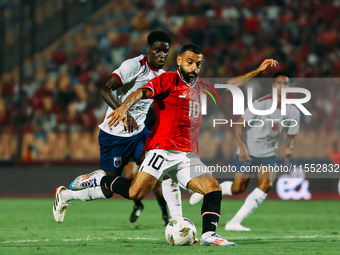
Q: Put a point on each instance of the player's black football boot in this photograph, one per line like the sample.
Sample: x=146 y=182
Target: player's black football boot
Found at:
x=165 y=218
x=137 y=210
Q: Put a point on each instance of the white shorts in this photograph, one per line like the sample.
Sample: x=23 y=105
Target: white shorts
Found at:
x=180 y=166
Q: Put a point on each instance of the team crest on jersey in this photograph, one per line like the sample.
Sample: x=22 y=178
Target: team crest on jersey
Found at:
x=117 y=161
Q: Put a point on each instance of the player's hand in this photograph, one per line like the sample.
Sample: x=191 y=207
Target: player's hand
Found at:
x=130 y=124
x=244 y=155
x=266 y=64
x=288 y=154
x=116 y=116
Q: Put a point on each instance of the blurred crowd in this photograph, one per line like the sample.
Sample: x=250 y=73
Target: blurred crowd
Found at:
x=61 y=107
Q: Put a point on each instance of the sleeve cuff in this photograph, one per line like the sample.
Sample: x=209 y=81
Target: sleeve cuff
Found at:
x=149 y=87
x=120 y=79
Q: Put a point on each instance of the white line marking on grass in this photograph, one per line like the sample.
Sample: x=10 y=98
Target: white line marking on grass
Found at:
x=142 y=238
x=78 y=240
x=285 y=237
x=159 y=239
x=43 y=240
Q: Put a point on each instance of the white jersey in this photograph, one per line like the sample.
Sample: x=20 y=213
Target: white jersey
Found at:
x=263 y=141
x=133 y=74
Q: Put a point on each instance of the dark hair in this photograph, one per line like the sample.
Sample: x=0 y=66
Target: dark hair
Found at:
x=282 y=73
x=191 y=47
x=159 y=36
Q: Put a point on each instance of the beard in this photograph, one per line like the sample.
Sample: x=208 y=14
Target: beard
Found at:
x=186 y=76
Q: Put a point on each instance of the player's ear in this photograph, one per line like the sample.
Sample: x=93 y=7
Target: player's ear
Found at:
x=148 y=48
x=179 y=60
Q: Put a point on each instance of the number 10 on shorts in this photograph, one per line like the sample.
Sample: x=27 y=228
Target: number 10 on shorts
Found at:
x=156 y=161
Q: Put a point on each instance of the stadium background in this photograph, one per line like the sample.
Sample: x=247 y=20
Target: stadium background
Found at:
x=54 y=56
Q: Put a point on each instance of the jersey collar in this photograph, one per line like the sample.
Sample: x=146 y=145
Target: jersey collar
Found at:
x=191 y=85
x=144 y=60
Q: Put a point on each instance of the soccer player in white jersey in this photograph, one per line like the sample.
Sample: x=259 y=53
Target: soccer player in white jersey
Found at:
x=119 y=144
x=258 y=147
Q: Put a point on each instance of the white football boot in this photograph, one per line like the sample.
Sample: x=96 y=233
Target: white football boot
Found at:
x=87 y=180
x=60 y=206
x=211 y=238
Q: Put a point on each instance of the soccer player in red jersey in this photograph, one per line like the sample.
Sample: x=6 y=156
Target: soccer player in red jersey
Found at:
x=172 y=145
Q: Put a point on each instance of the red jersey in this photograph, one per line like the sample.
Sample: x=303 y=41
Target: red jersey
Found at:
x=178 y=113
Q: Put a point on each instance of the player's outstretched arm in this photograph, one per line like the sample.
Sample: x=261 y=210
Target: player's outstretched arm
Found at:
x=244 y=154
x=105 y=93
x=120 y=114
x=244 y=79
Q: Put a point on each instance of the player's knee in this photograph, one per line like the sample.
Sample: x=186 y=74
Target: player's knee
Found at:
x=213 y=186
x=238 y=187
x=136 y=194
x=265 y=185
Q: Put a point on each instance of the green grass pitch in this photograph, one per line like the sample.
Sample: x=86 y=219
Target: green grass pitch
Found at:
x=102 y=227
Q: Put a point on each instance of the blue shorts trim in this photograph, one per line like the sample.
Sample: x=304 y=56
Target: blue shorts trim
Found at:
x=115 y=151
x=245 y=167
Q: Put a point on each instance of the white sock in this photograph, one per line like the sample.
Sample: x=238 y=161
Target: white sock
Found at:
x=83 y=195
x=226 y=188
x=172 y=196
x=253 y=200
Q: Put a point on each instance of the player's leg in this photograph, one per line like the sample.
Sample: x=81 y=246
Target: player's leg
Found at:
x=132 y=168
x=135 y=190
x=172 y=196
x=208 y=186
x=237 y=186
x=130 y=171
x=264 y=181
x=87 y=187
x=139 y=158
x=210 y=189
x=113 y=157
x=241 y=178
x=90 y=193
x=150 y=171
x=157 y=190
x=255 y=198
x=190 y=176
x=87 y=180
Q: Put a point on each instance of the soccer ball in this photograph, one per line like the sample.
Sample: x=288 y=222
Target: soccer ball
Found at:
x=180 y=232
